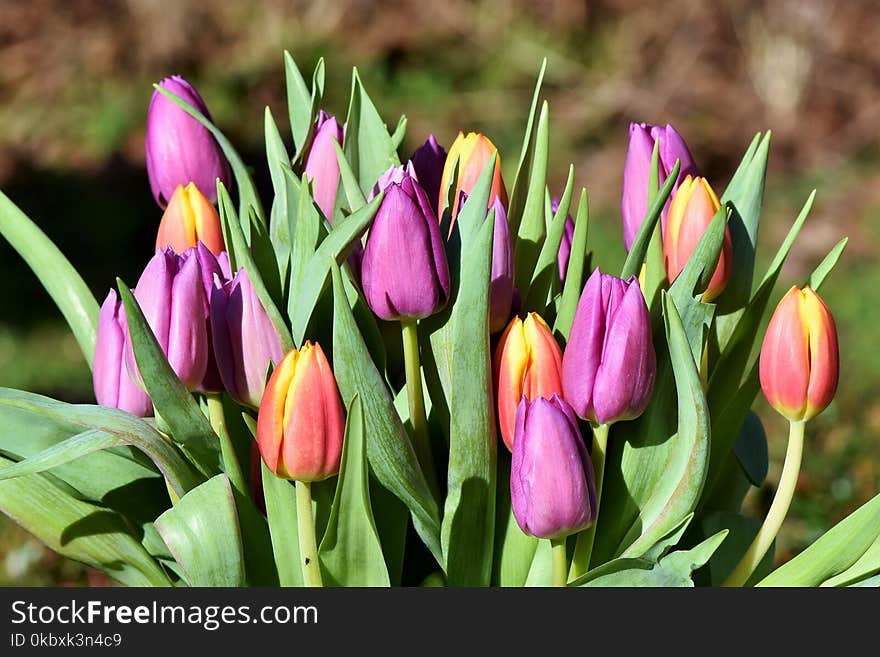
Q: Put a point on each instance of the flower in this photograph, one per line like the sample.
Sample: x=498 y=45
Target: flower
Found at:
x=322 y=167
x=472 y=152
x=190 y=218
x=564 y=252
x=428 y=162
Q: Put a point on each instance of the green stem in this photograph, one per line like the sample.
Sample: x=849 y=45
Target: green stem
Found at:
x=416 y=399
x=778 y=509
x=583 y=548
x=308 y=546
x=227 y=449
x=560 y=561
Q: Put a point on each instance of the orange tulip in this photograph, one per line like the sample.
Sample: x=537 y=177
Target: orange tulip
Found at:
x=690 y=213
x=190 y=218
x=528 y=363
x=301 y=423
x=472 y=153
x=799 y=357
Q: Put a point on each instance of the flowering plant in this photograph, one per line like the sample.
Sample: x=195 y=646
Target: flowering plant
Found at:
x=404 y=371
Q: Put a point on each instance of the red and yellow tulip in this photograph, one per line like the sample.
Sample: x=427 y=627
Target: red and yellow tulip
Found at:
x=471 y=152
x=190 y=218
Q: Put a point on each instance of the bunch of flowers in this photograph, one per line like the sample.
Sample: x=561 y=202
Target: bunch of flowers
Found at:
x=406 y=370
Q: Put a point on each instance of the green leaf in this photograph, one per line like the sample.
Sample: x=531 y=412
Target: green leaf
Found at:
x=306 y=233
x=353 y=193
x=531 y=230
x=263 y=253
x=125 y=427
x=173 y=402
x=78 y=530
x=633 y=264
x=673 y=570
x=247 y=191
x=203 y=534
x=520 y=180
x=574 y=275
x=351 y=552
x=514 y=551
x=279 y=227
x=742 y=531
x=302 y=104
x=399 y=132
x=389 y=450
x=751 y=449
x=832 y=553
x=58 y=276
x=369 y=147
x=827 y=265
x=469 y=514
x=280 y=498
x=867 y=566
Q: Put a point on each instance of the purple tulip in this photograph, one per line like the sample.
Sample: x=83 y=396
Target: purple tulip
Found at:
x=565 y=245
x=552 y=488
x=501 y=286
x=393 y=176
x=609 y=364
x=404 y=272
x=428 y=161
x=634 y=203
x=322 y=167
x=113 y=386
x=179 y=149
x=245 y=340
x=172 y=297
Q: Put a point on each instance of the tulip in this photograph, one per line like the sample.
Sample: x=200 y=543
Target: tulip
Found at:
x=609 y=364
x=528 y=364
x=691 y=211
x=179 y=149
x=551 y=478
x=472 y=153
x=501 y=284
x=113 y=385
x=245 y=340
x=404 y=272
x=190 y=218
x=642 y=137
x=799 y=357
x=564 y=252
x=393 y=176
x=322 y=167
x=428 y=162
x=300 y=424
x=171 y=295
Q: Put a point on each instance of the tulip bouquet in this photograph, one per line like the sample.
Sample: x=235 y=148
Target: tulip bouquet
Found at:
x=405 y=370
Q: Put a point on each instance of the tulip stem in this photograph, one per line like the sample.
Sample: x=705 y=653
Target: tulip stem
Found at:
x=778 y=509
x=560 y=561
x=308 y=546
x=416 y=399
x=227 y=450
x=583 y=548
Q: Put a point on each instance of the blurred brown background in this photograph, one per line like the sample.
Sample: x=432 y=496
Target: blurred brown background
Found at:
x=76 y=76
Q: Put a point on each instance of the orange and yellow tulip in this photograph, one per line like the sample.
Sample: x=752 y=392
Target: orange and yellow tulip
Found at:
x=190 y=218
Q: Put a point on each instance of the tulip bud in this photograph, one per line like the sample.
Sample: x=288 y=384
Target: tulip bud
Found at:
x=609 y=364
x=245 y=340
x=690 y=214
x=799 y=363
x=404 y=272
x=473 y=152
x=552 y=488
x=564 y=252
x=300 y=424
x=189 y=219
x=113 y=386
x=528 y=363
x=322 y=167
x=501 y=285
x=637 y=169
x=428 y=162
x=179 y=149
x=172 y=298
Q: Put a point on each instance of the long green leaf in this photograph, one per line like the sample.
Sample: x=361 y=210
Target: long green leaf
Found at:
x=351 y=552
x=302 y=104
x=63 y=283
x=279 y=228
x=574 y=275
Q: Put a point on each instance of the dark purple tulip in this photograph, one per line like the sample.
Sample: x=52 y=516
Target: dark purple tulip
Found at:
x=552 y=487
x=565 y=245
x=322 y=167
x=404 y=272
x=637 y=168
x=172 y=297
x=113 y=386
x=609 y=364
x=179 y=149
x=428 y=161
x=245 y=340
x=501 y=286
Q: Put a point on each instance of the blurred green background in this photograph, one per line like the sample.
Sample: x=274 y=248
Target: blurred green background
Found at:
x=76 y=76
